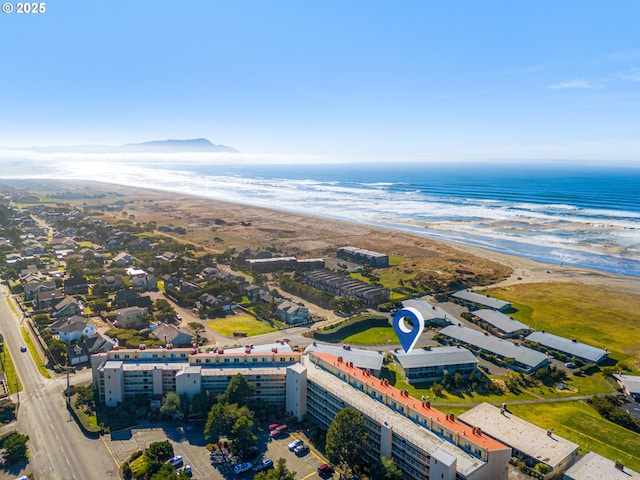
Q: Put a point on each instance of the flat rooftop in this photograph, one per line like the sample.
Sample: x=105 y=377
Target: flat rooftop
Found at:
x=423 y=438
x=632 y=382
x=480 y=299
x=267 y=348
x=566 y=345
x=504 y=348
x=501 y=321
x=519 y=434
x=412 y=403
x=368 y=359
x=428 y=311
x=435 y=357
x=596 y=467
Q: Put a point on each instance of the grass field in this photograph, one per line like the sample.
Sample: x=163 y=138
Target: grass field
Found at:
x=6 y=366
x=580 y=311
x=374 y=336
x=580 y=424
x=244 y=323
x=34 y=353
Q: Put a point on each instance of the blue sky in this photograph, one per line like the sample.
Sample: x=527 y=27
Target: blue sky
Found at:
x=410 y=80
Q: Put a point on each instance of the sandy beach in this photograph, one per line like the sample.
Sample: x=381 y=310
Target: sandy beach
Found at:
x=218 y=226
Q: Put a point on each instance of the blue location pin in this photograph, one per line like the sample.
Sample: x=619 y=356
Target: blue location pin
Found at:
x=408 y=336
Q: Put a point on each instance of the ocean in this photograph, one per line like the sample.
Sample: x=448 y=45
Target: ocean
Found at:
x=585 y=216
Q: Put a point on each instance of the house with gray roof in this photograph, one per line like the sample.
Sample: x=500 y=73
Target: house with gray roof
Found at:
x=478 y=300
x=431 y=314
x=500 y=324
x=596 y=467
x=172 y=335
x=510 y=353
x=570 y=347
x=363 y=359
x=630 y=384
x=420 y=365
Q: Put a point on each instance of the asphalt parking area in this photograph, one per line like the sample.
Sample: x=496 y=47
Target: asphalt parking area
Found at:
x=305 y=466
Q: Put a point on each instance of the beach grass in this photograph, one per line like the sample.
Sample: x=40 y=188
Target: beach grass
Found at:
x=395 y=260
x=244 y=323
x=598 y=316
x=579 y=423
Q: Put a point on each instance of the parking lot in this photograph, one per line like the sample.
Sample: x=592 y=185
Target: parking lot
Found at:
x=190 y=444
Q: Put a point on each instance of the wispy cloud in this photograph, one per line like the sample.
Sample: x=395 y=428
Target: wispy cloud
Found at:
x=632 y=74
x=575 y=83
x=630 y=54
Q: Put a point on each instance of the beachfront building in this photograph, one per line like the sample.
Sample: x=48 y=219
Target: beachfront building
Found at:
x=570 y=347
x=432 y=315
x=530 y=443
x=513 y=355
x=368 y=360
x=346 y=287
x=596 y=467
x=431 y=365
x=630 y=384
x=267 y=265
x=121 y=374
x=500 y=324
x=363 y=257
x=424 y=442
x=476 y=300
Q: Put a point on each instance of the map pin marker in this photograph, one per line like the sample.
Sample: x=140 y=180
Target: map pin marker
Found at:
x=408 y=335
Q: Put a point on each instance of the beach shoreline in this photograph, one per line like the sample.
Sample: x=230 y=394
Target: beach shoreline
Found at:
x=217 y=225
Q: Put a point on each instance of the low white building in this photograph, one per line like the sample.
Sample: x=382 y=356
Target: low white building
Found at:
x=596 y=467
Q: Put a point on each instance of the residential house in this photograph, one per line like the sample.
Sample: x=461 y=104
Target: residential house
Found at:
x=172 y=335
x=476 y=300
x=43 y=300
x=76 y=286
x=500 y=324
x=112 y=282
x=122 y=259
x=66 y=307
x=140 y=244
x=33 y=288
x=98 y=344
x=166 y=256
x=186 y=287
x=55 y=326
x=123 y=296
x=130 y=317
x=142 y=302
x=208 y=273
x=210 y=301
x=569 y=346
x=431 y=365
x=76 y=354
x=293 y=313
x=74 y=331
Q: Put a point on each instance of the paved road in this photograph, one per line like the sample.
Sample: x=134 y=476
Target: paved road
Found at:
x=57 y=448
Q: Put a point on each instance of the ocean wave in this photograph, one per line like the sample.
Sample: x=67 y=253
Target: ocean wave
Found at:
x=557 y=231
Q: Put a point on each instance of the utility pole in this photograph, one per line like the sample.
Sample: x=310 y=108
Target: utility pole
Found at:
x=68 y=390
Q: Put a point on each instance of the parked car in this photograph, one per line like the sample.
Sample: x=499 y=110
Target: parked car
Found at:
x=301 y=450
x=176 y=461
x=23 y=348
x=273 y=426
x=186 y=468
x=325 y=469
x=296 y=443
x=570 y=365
x=242 y=467
x=280 y=430
x=266 y=464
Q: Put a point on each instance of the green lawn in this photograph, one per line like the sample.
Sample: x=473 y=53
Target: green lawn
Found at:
x=580 y=424
x=394 y=260
x=244 y=323
x=374 y=336
x=34 y=353
x=6 y=366
x=581 y=311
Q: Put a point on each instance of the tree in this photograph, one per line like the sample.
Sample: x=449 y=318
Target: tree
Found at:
x=222 y=418
x=386 y=469
x=280 y=472
x=100 y=305
x=170 y=405
x=242 y=435
x=162 y=451
x=201 y=403
x=238 y=391
x=346 y=437
x=15 y=446
x=197 y=328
